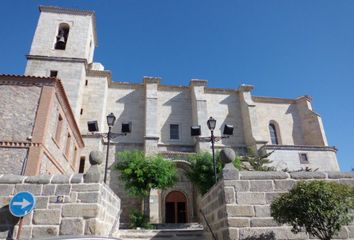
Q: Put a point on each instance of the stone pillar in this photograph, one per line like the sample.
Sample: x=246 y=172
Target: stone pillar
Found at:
x=311 y=123
x=200 y=111
x=151 y=115
x=155 y=206
x=249 y=118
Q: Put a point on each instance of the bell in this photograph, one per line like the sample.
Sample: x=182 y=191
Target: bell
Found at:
x=61 y=39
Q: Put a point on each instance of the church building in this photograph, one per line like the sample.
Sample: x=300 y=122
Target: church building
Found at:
x=159 y=117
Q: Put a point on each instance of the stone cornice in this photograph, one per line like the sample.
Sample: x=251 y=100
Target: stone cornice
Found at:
x=17 y=144
x=273 y=100
x=11 y=79
x=221 y=90
x=150 y=80
x=245 y=88
x=70 y=11
x=57 y=59
x=300 y=148
x=198 y=82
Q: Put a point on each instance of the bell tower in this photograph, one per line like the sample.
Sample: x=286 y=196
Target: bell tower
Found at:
x=63 y=47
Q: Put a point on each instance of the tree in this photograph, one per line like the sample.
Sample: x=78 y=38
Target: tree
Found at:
x=201 y=171
x=321 y=208
x=142 y=173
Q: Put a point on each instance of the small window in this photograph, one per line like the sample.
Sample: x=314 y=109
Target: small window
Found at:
x=74 y=156
x=86 y=82
x=174 y=131
x=62 y=36
x=59 y=129
x=68 y=145
x=273 y=134
x=82 y=165
x=53 y=73
x=81 y=111
x=303 y=158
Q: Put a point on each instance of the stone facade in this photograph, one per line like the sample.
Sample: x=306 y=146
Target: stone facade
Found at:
x=65 y=206
x=239 y=207
x=30 y=140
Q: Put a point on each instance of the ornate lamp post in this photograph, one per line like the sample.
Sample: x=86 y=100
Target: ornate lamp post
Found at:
x=110 y=122
x=228 y=130
x=211 y=125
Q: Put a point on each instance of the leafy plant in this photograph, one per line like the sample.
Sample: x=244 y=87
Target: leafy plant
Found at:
x=319 y=207
x=139 y=220
x=238 y=163
x=257 y=162
x=202 y=170
x=142 y=173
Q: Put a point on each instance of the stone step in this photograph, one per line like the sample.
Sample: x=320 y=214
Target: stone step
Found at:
x=193 y=225
x=161 y=234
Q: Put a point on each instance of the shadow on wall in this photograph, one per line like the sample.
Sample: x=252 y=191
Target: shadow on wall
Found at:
x=296 y=134
x=132 y=105
x=233 y=117
x=180 y=105
x=7 y=222
x=263 y=236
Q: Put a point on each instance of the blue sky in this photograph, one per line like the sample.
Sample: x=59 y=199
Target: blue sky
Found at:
x=283 y=48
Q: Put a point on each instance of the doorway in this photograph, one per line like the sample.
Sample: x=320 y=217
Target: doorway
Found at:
x=176 y=207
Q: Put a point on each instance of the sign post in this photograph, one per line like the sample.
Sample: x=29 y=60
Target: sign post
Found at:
x=20 y=205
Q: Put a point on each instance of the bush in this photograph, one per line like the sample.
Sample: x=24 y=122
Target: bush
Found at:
x=137 y=219
x=202 y=170
x=321 y=208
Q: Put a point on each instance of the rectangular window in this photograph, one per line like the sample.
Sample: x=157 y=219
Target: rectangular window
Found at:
x=86 y=82
x=174 y=131
x=82 y=165
x=59 y=129
x=303 y=158
x=81 y=111
x=53 y=73
x=67 y=147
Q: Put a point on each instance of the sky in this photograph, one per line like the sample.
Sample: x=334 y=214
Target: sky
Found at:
x=284 y=48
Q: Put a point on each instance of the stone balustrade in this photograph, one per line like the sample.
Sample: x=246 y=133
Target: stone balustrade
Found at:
x=239 y=207
x=65 y=206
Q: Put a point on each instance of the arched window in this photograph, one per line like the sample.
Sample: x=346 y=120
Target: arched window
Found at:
x=62 y=37
x=273 y=134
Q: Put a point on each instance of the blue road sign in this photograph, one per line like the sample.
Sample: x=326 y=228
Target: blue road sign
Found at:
x=22 y=204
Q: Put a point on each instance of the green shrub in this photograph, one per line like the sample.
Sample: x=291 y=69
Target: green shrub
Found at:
x=137 y=219
x=202 y=170
x=321 y=208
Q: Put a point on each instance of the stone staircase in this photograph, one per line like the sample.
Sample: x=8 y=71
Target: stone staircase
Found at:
x=164 y=232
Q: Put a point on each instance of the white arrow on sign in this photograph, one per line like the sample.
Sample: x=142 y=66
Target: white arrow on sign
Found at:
x=23 y=204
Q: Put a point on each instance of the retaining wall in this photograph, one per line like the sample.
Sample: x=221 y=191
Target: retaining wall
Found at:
x=239 y=208
x=65 y=206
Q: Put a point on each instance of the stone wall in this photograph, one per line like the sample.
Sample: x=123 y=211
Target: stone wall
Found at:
x=65 y=206
x=240 y=208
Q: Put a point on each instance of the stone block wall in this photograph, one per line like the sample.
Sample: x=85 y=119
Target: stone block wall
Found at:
x=65 y=206
x=240 y=208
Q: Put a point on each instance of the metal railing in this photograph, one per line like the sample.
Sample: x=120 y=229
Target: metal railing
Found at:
x=207 y=223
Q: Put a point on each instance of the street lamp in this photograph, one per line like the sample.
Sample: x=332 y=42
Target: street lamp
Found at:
x=228 y=130
x=111 y=119
x=110 y=122
x=211 y=125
